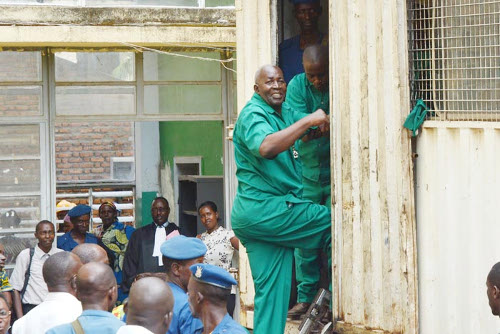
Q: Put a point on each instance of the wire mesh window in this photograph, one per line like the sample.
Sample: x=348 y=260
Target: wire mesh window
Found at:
x=455 y=58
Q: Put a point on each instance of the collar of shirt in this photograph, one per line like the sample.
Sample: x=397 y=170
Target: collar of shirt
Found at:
x=39 y=253
x=263 y=104
x=97 y=313
x=164 y=225
x=227 y=318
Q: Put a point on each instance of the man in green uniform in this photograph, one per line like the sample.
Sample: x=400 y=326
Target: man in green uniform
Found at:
x=269 y=215
x=306 y=93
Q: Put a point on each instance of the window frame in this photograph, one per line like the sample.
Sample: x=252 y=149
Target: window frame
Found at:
x=48 y=118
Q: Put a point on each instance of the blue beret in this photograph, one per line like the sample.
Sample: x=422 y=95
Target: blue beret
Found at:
x=213 y=275
x=183 y=248
x=79 y=210
x=296 y=2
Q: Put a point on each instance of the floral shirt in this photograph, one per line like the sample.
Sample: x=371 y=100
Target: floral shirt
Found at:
x=116 y=238
x=220 y=251
x=4 y=279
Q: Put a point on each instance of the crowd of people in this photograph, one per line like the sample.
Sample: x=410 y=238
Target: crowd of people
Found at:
x=76 y=287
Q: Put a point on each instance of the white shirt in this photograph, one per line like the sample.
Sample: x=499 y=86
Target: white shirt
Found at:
x=36 y=291
x=57 y=309
x=133 y=329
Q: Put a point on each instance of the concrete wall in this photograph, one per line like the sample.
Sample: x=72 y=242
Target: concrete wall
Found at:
x=75 y=26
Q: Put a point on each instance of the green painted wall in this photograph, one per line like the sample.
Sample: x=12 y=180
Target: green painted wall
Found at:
x=145 y=208
x=203 y=138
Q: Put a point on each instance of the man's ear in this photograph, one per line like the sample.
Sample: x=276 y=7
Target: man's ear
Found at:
x=199 y=297
x=112 y=295
x=167 y=319
x=125 y=306
x=496 y=292
x=256 y=88
x=72 y=283
x=175 y=269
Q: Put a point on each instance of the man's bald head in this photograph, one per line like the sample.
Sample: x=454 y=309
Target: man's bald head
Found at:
x=150 y=304
x=265 y=69
x=316 y=54
x=96 y=286
x=315 y=62
x=91 y=253
x=58 y=271
x=270 y=85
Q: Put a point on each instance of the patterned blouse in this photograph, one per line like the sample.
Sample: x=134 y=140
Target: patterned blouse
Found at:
x=220 y=251
x=4 y=279
x=116 y=238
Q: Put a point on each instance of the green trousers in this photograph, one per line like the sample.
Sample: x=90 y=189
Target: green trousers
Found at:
x=270 y=244
x=308 y=261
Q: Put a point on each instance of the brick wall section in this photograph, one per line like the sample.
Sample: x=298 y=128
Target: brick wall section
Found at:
x=84 y=150
x=19 y=67
x=18 y=101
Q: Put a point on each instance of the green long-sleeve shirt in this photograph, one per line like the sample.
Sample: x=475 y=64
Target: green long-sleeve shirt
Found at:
x=303 y=98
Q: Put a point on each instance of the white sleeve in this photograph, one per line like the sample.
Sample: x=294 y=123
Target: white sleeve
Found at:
x=17 y=277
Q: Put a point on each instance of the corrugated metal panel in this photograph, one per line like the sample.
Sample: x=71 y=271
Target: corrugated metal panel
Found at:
x=458 y=197
x=374 y=255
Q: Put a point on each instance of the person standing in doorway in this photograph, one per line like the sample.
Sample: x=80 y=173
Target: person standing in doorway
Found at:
x=307 y=13
x=270 y=217
x=306 y=93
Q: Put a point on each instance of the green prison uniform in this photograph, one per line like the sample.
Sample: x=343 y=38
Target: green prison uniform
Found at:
x=269 y=215
x=314 y=155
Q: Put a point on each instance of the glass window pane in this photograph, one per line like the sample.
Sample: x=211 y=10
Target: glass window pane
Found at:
x=27 y=211
x=182 y=99
x=95 y=66
x=20 y=66
x=20 y=175
x=20 y=101
x=94 y=151
x=18 y=217
x=216 y=3
x=19 y=141
x=19 y=158
x=95 y=100
x=165 y=67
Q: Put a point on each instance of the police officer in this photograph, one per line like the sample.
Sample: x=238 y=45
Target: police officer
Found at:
x=179 y=253
x=306 y=93
x=208 y=290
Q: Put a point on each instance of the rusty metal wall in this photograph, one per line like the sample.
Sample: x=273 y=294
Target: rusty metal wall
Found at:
x=375 y=277
x=458 y=197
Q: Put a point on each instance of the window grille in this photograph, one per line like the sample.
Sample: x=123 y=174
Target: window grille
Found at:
x=455 y=58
